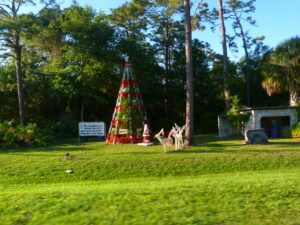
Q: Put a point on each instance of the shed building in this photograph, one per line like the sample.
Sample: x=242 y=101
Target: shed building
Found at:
x=274 y=120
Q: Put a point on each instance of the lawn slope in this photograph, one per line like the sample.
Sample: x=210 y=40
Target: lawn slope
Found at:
x=220 y=181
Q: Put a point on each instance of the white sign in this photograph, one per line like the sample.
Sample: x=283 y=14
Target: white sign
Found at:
x=92 y=129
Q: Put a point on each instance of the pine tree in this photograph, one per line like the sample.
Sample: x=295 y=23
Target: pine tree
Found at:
x=189 y=118
x=130 y=121
x=12 y=27
x=225 y=57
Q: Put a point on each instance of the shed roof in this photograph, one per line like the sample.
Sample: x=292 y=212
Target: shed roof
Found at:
x=269 y=108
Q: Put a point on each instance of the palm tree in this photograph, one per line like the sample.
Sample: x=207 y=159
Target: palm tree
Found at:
x=282 y=71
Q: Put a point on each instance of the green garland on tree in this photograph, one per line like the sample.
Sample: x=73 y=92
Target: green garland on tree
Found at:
x=130 y=122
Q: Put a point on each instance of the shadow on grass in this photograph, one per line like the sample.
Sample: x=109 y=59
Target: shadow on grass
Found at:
x=204 y=141
x=198 y=151
x=136 y=153
x=214 y=141
x=286 y=143
x=229 y=151
x=61 y=145
x=209 y=139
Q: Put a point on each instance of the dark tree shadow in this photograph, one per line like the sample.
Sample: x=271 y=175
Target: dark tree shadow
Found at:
x=60 y=145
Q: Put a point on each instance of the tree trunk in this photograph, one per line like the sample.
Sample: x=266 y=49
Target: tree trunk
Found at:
x=167 y=69
x=189 y=133
x=248 y=75
x=17 y=51
x=18 y=66
x=225 y=58
x=293 y=94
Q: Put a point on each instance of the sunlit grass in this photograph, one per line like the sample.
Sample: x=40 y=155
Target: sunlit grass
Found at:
x=220 y=181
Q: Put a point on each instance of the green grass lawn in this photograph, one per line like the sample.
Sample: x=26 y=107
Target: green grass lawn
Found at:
x=221 y=181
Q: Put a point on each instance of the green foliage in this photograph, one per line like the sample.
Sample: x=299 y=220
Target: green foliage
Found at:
x=240 y=12
x=281 y=71
x=287 y=134
x=72 y=61
x=12 y=135
x=66 y=127
x=295 y=132
x=135 y=115
x=237 y=118
x=131 y=19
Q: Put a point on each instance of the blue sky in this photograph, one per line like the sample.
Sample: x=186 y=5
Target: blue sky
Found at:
x=276 y=20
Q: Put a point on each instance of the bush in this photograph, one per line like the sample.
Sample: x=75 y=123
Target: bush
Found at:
x=296 y=130
x=287 y=133
x=235 y=117
x=12 y=134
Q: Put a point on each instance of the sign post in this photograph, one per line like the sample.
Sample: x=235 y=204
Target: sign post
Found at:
x=92 y=129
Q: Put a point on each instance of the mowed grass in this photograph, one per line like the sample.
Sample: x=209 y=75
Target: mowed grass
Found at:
x=221 y=181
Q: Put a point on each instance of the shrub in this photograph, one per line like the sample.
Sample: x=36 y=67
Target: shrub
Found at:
x=287 y=133
x=235 y=117
x=296 y=130
x=12 y=134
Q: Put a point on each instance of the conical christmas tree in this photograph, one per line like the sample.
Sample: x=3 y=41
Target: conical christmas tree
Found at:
x=130 y=122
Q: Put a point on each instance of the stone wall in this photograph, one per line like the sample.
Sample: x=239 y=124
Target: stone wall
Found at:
x=225 y=129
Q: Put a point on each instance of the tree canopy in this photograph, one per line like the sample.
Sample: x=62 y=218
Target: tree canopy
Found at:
x=69 y=63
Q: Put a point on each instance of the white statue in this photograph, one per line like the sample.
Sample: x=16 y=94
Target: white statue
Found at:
x=164 y=141
x=178 y=136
